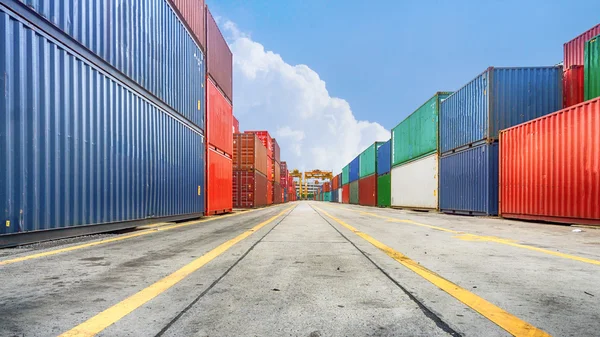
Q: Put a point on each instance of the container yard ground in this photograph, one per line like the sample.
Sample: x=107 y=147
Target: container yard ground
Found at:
x=312 y=269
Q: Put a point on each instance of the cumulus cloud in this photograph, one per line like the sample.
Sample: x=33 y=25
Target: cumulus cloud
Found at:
x=314 y=130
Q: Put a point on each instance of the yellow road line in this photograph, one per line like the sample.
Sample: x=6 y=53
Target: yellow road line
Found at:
x=120 y=238
x=113 y=314
x=497 y=315
x=475 y=237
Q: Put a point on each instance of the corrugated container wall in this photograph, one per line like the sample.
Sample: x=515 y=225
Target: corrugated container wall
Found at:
x=346 y=194
x=368 y=160
x=354 y=196
x=367 y=190
x=417 y=135
x=277 y=196
x=573 y=50
x=384 y=190
x=266 y=139
x=236 y=125
x=345 y=175
x=550 y=167
x=384 y=158
x=219 y=120
x=249 y=189
x=276 y=171
x=219 y=57
x=415 y=184
x=354 y=169
x=497 y=99
x=573 y=88
x=192 y=14
x=276 y=151
x=592 y=69
x=145 y=40
x=219 y=180
x=334 y=183
x=469 y=181
x=249 y=153
x=270 y=198
x=81 y=148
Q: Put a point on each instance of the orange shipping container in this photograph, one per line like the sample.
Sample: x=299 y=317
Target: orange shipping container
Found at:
x=550 y=167
x=249 y=153
x=266 y=139
x=219 y=119
x=219 y=176
x=276 y=171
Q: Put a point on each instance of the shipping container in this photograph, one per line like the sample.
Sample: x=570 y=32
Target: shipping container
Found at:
x=497 y=99
x=550 y=167
x=367 y=190
x=236 y=125
x=346 y=175
x=354 y=194
x=384 y=158
x=249 y=189
x=573 y=92
x=574 y=49
x=415 y=184
x=249 y=153
x=592 y=69
x=346 y=194
x=219 y=57
x=354 y=170
x=192 y=15
x=276 y=150
x=417 y=135
x=326 y=187
x=469 y=181
x=144 y=41
x=277 y=193
x=82 y=151
x=368 y=160
x=384 y=190
x=266 y=139
x=219 y=183
x=284 y=177
x=270 y=196
x=327 y=196
x=334 y=183
x=275 y=171
x=219 y=120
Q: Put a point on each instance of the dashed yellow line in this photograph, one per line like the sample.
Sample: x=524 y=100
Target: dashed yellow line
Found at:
x=103 y=320
x=497 y=315
x=151 y=229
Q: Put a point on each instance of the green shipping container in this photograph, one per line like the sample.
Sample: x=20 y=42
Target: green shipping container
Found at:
x=345 y=174
x=384 y=190
x=327 y=196
x=368 y=160
x=591 y=69
x=417 y=135
x=354 y=192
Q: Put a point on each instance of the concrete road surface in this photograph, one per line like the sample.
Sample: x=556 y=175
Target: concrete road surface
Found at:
x=309 y=269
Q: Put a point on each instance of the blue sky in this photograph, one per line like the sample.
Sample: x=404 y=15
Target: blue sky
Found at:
x=385 y=58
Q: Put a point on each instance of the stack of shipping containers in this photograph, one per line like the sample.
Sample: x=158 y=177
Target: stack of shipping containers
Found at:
x=284 y=180
x=326 y=191
x=276 y=178
x=415 y=157
x=470 y=121
x=346 y=184
x=384 y=178
x=249 y=171
x=574 y=59
x=353 y=177
x=339 y=190
x=334 y=189
x=219 y=121
x=367 y=183
x=267 y=141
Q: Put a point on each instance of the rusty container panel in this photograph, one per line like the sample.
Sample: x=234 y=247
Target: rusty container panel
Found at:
x=574 y=49
x=219 y=120
x=573 y=86
x=277 y=196
x=367 y=191
x=270 y=199
x=249 y=189
x=550 y=167
x=266 y=139
x=219 y=57
x=346 y=194
x=276 y=151
x=192 y=14
x=219 y=180
x=236 y=125
x=249 y=153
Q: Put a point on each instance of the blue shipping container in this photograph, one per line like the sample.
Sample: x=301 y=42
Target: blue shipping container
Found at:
x=144 y=39
x=495 y=100
x=384 y=158
x=354 y=169
x=334 y=195
x=80 y=148
x=469 y=181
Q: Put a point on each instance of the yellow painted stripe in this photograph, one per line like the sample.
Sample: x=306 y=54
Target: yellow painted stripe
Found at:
x=103 y=320
x=119 y=238
x=505 y=320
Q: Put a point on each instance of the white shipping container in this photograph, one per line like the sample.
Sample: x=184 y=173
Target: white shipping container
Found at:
x=415 y=184
x=339 y=196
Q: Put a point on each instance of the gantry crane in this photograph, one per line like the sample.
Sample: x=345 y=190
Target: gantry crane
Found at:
x=313 y=174
x=297 y=174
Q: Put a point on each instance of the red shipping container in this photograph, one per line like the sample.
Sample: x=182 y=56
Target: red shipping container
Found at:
x=236 y=125
x=573 y=92
x=367 y=191
x=191 y=12
x=346 y=194
x=550 y=167
x=573 y=50
x=249 y=153
x=334 y=183
x=276 y=171
x=219 y=180
x=269 y=192
x=276 y=151
x=266 y=139
x=277 y=194
x=219 y=65
x=249 y=189
x=327 y=187
x=219 y=120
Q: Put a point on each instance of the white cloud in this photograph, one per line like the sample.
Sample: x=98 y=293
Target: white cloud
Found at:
x=314 y=130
